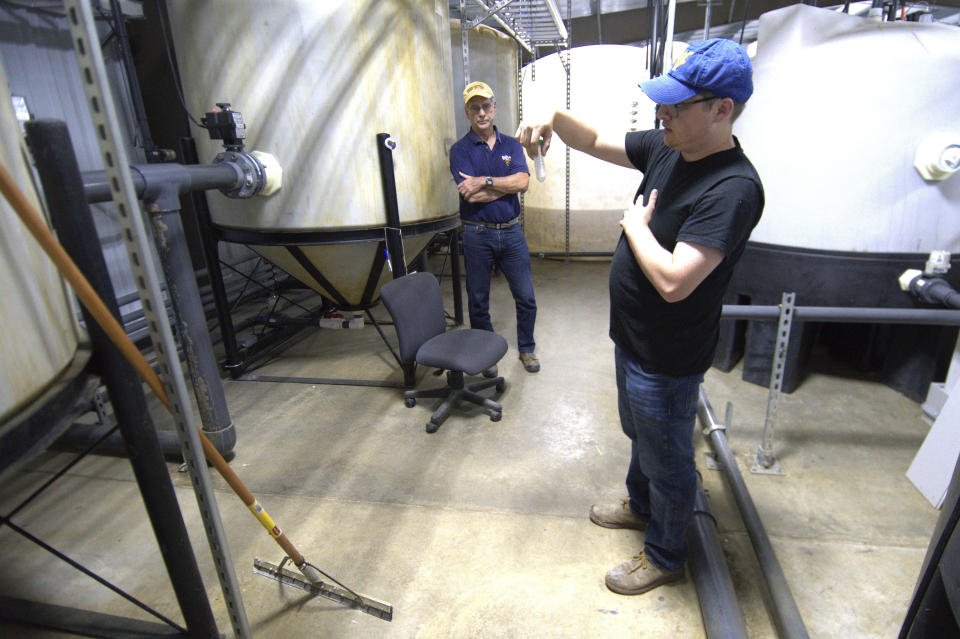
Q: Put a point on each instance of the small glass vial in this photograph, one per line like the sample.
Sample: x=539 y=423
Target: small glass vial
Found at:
x=538 y=162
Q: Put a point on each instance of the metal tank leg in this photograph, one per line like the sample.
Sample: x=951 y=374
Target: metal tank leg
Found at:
x=211 y=253
x=455 y=276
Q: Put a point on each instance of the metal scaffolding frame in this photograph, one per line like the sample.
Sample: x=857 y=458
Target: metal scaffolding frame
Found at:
x=532 y=23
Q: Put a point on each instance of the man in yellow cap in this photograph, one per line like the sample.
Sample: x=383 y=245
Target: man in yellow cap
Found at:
x=490 y=170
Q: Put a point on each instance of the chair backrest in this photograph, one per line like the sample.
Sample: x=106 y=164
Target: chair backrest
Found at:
x=416 y=306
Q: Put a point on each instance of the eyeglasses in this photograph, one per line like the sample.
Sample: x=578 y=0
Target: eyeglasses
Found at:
x=477 y=108
x=673 y=110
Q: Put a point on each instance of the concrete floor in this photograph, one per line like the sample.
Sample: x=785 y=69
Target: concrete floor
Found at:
x=480 y=530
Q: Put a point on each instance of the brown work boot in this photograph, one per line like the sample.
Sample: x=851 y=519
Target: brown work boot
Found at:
x=530 y=362
x=616 y=515
x=638 y=575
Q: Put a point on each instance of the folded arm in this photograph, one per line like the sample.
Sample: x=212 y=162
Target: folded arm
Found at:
x=474 y=188
x=675 y=275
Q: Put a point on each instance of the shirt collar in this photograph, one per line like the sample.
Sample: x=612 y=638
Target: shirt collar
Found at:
x=476 y=139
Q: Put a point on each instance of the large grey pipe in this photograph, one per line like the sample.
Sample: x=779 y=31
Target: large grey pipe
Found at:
x=160 y=187
x=721 y=614
x=846 y=314
x=786 y=615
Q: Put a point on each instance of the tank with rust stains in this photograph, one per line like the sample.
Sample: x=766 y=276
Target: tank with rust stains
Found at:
x=39 y=341
x=316 y=82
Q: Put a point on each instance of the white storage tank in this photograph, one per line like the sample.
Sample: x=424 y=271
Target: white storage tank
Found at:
x=603 y=93
x=841 y=106
x=39 y=340
x=316 y=82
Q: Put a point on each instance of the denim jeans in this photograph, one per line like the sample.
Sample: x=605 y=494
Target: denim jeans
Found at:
x=482 y=247
x=658 y=413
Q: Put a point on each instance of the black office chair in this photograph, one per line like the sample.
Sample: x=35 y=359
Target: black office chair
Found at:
x=416 y=306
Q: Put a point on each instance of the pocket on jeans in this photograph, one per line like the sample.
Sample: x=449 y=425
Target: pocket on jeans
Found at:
x=685 y=397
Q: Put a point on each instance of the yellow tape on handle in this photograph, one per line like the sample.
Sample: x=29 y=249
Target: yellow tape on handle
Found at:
x=264 y=519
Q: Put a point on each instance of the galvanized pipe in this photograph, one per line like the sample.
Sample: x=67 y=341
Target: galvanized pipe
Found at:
x=846 y=314
x=721 y=614
x=786 y=615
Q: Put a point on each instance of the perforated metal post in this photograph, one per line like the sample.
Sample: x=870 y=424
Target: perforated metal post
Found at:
x=523 y=204
x=566 y=217
x=102 y=110
x=464 y=45
x=765 y=462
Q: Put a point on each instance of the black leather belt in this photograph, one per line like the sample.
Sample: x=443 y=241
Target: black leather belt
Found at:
x=493 y=225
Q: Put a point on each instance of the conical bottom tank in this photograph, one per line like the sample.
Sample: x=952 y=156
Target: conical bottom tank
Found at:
x=316 y=83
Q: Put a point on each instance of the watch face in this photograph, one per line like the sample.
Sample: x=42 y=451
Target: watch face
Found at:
x=489 y=181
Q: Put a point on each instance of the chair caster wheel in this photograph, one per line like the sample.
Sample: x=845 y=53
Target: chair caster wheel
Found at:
x=431 y=427
x=410 y=402
x=495 y=417
x=500 y=386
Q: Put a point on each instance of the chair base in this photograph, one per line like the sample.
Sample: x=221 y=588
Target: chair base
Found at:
x=455 y=391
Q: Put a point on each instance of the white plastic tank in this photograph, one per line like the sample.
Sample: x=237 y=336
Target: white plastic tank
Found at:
x=840 y=107
x=603 y=93
x=38 y=340
x=316 y=82
x=492 y=57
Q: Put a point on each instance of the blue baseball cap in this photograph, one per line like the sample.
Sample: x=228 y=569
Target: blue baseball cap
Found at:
x=718 y=65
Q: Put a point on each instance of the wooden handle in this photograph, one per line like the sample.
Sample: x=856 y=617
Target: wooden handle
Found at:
x=89 y=298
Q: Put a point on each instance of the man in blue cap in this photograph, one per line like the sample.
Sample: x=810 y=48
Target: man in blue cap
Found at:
x=699 y=199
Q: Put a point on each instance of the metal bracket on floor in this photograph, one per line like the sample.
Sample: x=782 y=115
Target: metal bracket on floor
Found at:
x=764 y=462
x=712 y=462
x=103 y=407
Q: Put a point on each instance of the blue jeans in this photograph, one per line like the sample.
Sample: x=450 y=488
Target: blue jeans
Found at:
x=482 y=247
x=658 y=413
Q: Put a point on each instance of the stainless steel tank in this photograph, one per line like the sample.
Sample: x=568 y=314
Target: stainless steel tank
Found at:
x=316 y=82
x=492 y=57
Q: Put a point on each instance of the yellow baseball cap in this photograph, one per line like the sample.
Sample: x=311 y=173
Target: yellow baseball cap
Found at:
x=476 y=88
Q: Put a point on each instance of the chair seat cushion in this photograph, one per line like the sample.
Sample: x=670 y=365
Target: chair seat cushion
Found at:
x=469 y=350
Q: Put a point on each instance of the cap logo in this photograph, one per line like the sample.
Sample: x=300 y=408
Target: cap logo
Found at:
x=682 y=59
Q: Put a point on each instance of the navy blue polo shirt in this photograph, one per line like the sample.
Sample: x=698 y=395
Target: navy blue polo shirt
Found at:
x=472 y=156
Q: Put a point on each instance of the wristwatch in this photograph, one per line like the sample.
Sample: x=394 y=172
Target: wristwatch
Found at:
x=489 y=181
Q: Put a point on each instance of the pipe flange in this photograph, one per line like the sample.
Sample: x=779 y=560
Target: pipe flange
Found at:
x=251 y=175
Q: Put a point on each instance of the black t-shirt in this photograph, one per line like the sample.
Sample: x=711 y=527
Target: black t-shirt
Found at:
x=715 y=201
